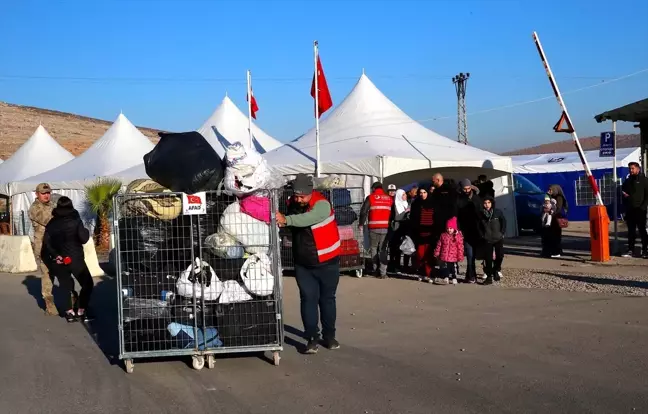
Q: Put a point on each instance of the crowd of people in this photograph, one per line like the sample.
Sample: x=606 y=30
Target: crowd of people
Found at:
x=445 y=223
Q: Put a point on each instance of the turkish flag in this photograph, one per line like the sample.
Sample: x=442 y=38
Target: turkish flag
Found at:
x=253 y=105
x=324 y=102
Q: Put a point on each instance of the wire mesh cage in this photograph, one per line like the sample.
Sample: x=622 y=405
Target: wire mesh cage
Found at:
x=346 y=203
x=197 y=275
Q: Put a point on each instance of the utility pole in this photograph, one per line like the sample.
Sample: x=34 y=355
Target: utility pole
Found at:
x=460 y=82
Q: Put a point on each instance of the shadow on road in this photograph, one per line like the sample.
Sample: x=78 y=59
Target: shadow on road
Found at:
x=103 y=329
x=600 y=280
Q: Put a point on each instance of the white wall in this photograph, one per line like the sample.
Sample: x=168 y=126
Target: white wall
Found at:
x=505 y=201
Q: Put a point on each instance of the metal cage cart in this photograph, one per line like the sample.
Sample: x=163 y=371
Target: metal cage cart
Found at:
x=197 y=275
x=346 y=203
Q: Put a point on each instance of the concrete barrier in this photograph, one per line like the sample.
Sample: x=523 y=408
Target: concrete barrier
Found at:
x=16 y=255
x=91 y=259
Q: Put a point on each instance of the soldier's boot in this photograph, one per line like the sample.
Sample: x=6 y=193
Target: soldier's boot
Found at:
x=50 y=307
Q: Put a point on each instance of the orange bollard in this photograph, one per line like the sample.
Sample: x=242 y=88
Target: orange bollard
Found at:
x=599 y=233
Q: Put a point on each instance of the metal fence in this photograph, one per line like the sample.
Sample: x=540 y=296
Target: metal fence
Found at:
x=21 y=224
x=347 y=203
x=197 y=275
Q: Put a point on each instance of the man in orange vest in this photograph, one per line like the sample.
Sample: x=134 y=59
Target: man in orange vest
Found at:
x=316 y=251
x=375 y=212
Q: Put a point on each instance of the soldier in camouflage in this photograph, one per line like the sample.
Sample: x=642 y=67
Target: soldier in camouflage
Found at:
x=40 y=214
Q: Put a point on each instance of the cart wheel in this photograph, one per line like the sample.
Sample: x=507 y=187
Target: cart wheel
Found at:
x=359 y=273
x=129 y=365
x=198 y=362
x=276 y=357
x=211 y=361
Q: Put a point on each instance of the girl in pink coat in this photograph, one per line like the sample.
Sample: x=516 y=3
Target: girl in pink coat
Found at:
x=450 y=250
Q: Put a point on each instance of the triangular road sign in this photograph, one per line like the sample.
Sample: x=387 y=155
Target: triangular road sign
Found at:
x=567 y=125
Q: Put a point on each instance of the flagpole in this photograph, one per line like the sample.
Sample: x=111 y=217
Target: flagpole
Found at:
x=249 y=101
x=317 y=132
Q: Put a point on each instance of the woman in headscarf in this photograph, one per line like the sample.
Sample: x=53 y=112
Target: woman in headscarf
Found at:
x=421 y=227
x=398 y=229
x=63 y=243
x=555 y=192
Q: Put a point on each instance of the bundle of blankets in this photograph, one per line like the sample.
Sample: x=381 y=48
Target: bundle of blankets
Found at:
x=178 y=271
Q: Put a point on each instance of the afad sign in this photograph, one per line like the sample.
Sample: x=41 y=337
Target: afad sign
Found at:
x=194 y=204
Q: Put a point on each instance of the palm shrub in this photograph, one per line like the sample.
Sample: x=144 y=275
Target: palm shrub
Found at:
x=99 y=196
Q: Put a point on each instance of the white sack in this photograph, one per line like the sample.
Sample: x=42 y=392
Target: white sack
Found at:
x=253 y=234
x=257 y=275
x=189 y=282
x=233 y=292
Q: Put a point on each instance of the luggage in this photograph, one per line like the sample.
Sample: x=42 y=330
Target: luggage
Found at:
x=346 y=232
x=350 y=261
x=349 y=247
x=162 y=207
x=143 y=335
x=249 y=323
x=345 y=216
x=338 y=197
x=257 y=207
x=184 y=162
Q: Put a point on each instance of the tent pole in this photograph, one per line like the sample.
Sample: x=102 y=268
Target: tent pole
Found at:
x=318 y=169
x=616 y=196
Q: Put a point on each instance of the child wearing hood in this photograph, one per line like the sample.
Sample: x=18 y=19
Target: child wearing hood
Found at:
x=450 y=251
x=492 y=228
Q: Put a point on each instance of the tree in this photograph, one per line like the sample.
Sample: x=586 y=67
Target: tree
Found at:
x=99 y=196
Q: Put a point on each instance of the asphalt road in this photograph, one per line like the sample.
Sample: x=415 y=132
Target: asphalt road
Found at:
x=407 y=347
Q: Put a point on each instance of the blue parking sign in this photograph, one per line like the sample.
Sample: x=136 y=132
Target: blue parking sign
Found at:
x=607 y=144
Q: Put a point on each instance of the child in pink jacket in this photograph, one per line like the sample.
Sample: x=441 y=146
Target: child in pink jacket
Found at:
x=450 y=250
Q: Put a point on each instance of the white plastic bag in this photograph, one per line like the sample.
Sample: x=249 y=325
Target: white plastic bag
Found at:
x=247 y=172
x=257 y=275
x=233 y=292
x=189 y=283
x=225 y=246
x=407 y=246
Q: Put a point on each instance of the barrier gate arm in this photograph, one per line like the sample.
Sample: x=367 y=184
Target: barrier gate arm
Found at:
x=565 y=118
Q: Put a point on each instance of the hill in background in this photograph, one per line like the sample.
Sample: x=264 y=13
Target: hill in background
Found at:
x=589 y=143
x=74 y=132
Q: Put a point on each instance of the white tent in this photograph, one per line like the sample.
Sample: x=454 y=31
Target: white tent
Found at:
x=570 y=161
x=121 y=147
x=38 y=154
x=368 y=134
x=228 y=125
x=132 y=173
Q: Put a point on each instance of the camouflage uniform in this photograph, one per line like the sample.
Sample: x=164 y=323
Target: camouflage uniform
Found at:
x=40 y=214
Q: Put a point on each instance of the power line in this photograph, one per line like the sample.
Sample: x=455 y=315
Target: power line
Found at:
x=497 y=108
x=112 y=79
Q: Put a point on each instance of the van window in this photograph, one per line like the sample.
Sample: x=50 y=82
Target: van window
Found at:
x=524 y=186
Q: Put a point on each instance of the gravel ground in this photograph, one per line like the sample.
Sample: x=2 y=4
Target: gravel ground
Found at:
x=615 y=283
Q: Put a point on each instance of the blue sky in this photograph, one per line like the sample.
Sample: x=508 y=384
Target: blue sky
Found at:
x=167 y=64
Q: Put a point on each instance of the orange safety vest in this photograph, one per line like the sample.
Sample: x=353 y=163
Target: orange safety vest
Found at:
x=325 y=233
x=380 y=205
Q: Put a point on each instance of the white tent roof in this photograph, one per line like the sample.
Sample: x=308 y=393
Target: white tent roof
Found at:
x=570 y=161
x=39 y=154
x=132 y=173
x=368 y=134
x=228 y=125
x=121 y=147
